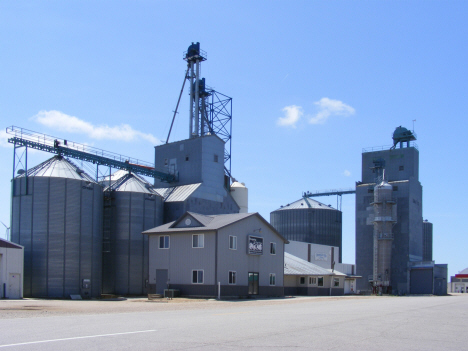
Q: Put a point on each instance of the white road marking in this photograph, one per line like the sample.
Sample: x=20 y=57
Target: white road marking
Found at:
x=77 y=337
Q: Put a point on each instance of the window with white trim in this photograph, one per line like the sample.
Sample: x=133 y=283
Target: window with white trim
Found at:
x=302 y=280
x=164 y=241
x=232 y=242
x=312 y=281
x=272 y=278
x=336 y=282
x=320 y=281
x=232 y=277
x=198 y=240
x=197 y=276
x=272 y=248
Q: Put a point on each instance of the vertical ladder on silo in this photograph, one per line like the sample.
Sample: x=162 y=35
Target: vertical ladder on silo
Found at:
x=376 y=252
x=107 y=222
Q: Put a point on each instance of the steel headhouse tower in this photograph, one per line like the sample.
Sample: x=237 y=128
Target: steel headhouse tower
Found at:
x=198 y=114
x=210 y=111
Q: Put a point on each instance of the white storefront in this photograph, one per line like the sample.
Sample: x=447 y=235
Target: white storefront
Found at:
x=459 y=283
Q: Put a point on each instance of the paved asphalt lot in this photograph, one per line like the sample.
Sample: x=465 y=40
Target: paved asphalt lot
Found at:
x=312 y=323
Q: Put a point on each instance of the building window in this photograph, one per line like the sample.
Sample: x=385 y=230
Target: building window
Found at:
x=232 y=277
x=312 y=281
x=402 y=168
x=165 y=162
x=273 y=248
x=302 y=280
x=216 y=158
x=186 y=158
x=198 y=240
x=395 y=188
x=320 y=281
x=232 y=242
x=272 y=279
x=336 y=282
x=197 y=276
x=164 y=241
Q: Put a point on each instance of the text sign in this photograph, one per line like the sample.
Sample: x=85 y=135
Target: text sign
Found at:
x=319 y=256
x=255 y=245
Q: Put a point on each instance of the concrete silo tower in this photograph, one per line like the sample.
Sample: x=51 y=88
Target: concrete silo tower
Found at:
x=401 y=164
x=383 y=218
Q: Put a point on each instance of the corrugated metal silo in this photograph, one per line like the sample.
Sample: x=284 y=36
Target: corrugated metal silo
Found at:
x=130 y=207
x=57 y=217
x=309 y=221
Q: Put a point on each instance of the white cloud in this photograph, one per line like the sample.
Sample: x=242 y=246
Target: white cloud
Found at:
x=292 y=114
x=346 y=173
x=4 y=139
x=328 y=107
x=65 y=123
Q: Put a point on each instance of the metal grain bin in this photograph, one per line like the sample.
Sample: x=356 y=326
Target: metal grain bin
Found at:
x=130 y=207
x=57 y=217
x=309 y=221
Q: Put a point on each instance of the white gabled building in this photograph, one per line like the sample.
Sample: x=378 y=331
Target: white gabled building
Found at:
x=305 y=278
x=11 y=270
x=241 y=252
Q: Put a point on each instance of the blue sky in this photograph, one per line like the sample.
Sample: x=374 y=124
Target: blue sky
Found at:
x=312 y=82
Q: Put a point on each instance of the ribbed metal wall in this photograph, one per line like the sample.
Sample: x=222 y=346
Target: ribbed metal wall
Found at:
x=427 y=241
x=125 y=261
x=311 y=225
x=59 y=223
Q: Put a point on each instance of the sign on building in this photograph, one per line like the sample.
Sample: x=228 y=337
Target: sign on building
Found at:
x=321 y=256
x=255 y=245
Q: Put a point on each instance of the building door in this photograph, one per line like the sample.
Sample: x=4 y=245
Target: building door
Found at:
x=161 y=281
x=421 y=281
x=253 y=283
x=14 y=284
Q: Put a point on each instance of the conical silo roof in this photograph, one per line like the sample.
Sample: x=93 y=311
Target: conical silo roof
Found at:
x=131 y=183
x=58 y=167
x=305 y=203
x=119 y=174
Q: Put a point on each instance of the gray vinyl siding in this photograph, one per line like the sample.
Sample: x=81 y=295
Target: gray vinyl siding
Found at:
x=180 y=259
x=216 y=260
x=241 y=262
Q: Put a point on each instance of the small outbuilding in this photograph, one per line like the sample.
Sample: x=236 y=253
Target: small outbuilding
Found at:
x=305 y=278
x=459 y=282
x=11 y=270
x=428 y=278
x=236 y=254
